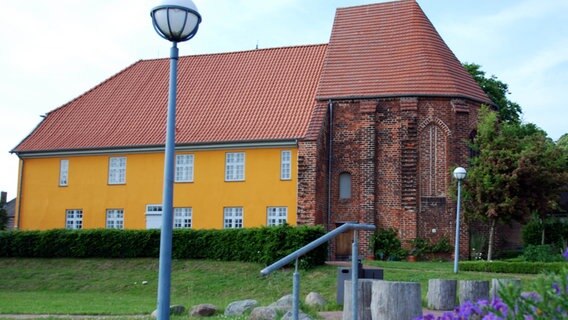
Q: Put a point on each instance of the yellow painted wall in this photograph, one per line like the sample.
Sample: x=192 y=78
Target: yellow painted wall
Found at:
x=43 y=201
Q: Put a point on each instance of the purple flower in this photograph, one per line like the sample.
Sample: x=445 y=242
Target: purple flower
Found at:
x=447 y=316
x=467 y=309
x=556 y=288
x=427 y=317
x=565 y=254
x=531 y=296
x=499 y=306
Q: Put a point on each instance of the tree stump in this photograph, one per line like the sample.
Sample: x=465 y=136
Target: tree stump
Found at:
x=396 y=300
x=364 y=293
x=442 y=294
x=498 y=284
x=473 y=290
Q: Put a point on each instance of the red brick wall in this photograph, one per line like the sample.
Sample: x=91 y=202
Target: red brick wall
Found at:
x=400 y=153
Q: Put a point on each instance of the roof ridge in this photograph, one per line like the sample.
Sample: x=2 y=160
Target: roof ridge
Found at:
x=240 y=51
x=375 y=4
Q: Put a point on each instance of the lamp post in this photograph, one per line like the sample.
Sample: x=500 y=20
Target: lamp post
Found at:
x=176 y=21
x=459 y=174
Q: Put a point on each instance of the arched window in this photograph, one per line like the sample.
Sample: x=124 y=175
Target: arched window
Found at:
x=345 y=186
x=433 y=169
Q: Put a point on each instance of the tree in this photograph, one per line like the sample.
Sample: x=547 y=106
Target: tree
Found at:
x=518 y=171
x=562 y=142
x=497 y=91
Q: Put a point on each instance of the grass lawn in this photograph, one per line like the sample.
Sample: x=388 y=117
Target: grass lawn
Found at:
x=114 y=286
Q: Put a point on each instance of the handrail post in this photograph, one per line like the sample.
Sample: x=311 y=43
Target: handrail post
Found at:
x=296 y=293
x=354 y=274
x=314 y=244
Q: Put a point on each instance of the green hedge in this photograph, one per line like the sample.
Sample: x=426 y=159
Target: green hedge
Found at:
x=263 y=245
x=512 y=267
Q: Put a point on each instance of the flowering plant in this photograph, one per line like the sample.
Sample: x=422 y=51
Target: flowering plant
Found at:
x=549 y=300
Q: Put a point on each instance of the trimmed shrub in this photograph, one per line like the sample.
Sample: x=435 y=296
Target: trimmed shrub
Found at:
x=511 y=267
x=262 y=245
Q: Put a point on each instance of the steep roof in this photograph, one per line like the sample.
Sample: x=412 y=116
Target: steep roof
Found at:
x=253 y=95
x=391 y=49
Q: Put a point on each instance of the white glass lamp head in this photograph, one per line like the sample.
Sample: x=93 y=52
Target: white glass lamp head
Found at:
x=460 y=173
x=176 y=20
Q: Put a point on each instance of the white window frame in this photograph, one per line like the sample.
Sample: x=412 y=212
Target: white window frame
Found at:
x=184 y=168
x=63 y=172
x=154 y=216
x=115 y=218
x=233 y=217
x=235 y=166
x=117 y=170
x=286 y=165
x=276 y=216
x=182 y=218
x=74 y=219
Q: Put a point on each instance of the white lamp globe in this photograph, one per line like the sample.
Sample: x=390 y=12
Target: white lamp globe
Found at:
x=460 y=173
x=176 y=20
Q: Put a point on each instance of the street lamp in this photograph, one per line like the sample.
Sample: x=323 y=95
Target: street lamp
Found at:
x=176 y=21
x=459 y=174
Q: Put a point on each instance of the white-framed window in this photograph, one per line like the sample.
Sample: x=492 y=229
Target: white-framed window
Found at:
x=154 y=216
x=115 y=218
x=182 y=217
x=286 y=165
x=74 y=219
x=345 y=185
x=276 y=216
x=233 y=217
x=235 y=166
x=63 y=172
x=117 y=170
x=184 y=168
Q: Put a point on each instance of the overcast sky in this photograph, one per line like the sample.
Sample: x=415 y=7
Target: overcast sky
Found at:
x=53 y=51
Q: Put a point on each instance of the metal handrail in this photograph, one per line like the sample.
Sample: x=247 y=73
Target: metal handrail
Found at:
x=314 y=244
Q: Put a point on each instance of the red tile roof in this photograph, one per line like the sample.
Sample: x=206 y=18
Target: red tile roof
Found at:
x=391 y=49
x=232 y=97
x=387 y=49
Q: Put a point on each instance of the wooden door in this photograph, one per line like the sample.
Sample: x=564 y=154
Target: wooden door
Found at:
x=343 y=245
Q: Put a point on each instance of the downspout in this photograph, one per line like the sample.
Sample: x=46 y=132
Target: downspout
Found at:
x=329 y=162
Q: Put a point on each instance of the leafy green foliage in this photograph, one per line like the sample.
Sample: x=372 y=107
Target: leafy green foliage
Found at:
x=386 y=245
x=518 y=171
x=511 y=267
x=555 y=231
x=441 y=246
x=497 y=91
x=562 y=142
x=263 y=245
x=543 y=253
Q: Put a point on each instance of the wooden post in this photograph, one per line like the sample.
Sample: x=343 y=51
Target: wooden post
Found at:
x=364 y=291
x=473 y=290
x=442 y=294
x=498 y=284
x=396 y=300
